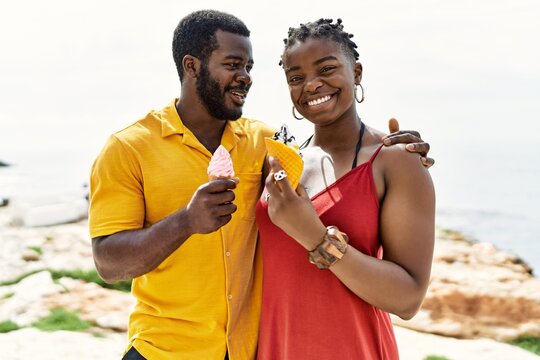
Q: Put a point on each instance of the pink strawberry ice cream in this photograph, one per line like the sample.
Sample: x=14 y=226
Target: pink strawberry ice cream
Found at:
x=220 y=166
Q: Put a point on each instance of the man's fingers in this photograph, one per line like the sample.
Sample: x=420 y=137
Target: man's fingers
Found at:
x=226 y=209
x=393 y=125
x=402 y=137
x=220 y=185
x=223 y=220
x=427 y=162
x=420 y=148
x=222 y=197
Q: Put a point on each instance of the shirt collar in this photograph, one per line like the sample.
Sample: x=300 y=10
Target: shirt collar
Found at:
x=171 y=124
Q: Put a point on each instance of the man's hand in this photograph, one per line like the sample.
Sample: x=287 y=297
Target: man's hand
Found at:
x=211 y=206
x=411 y=138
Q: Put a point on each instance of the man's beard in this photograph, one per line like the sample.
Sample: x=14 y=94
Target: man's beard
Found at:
x=213 y=99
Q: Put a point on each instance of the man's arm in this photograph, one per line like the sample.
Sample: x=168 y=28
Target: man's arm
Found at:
x=132 y=253
x=411 y=138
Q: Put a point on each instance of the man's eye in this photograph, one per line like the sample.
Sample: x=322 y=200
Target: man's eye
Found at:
x=294 y=79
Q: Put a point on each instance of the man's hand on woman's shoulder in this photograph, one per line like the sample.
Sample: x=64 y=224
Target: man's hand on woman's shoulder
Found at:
x=413 y=140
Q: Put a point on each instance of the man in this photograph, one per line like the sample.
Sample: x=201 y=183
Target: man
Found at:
x=155 y=218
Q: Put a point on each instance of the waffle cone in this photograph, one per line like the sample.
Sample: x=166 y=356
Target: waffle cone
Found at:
x=288 y=158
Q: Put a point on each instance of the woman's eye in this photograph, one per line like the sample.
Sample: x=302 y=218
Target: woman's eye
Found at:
x=327 y=68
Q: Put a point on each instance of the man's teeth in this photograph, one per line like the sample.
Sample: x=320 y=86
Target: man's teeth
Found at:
x=242 y=95
x=319 y=101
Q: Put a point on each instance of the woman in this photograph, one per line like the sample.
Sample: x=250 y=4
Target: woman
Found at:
x=354 y=242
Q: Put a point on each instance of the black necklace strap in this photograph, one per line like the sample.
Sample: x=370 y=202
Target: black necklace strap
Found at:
x=358 y=144
x=306 y=143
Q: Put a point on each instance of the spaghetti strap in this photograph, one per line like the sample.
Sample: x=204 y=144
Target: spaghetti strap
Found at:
x=375 y=153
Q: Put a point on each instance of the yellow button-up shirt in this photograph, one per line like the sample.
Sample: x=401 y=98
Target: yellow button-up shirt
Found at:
x=205 y=297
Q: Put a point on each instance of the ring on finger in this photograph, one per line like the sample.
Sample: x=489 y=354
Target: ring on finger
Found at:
x=280 y=175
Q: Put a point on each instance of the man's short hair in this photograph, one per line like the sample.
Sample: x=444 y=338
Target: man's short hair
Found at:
x=196 y=35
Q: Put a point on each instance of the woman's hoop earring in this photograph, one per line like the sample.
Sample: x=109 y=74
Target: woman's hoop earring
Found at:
x=294 y=114
x=356 y=94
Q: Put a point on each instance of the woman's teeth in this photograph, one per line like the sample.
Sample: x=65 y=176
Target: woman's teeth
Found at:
x=319 y=101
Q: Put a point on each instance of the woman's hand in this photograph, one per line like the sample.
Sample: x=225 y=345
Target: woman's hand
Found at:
x=411 y=138
x=291 y=210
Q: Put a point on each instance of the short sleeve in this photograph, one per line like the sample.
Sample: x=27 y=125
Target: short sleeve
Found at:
x=116 y=191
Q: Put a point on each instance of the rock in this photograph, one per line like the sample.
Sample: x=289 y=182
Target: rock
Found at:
x=109 y=309
x=35 y=296
x=478 y=291
x=30 y=255
x=25 y=302
x=415 y=346
x=60 y=211
x=63 y=247
x=31 y=343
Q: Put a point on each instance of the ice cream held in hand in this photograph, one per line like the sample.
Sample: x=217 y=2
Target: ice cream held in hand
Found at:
x=284 y=148
x=220 y=166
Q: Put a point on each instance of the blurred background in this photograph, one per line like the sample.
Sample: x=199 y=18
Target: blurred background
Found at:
x=464 y=73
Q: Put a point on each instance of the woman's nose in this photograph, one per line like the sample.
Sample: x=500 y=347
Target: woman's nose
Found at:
x=312 y=84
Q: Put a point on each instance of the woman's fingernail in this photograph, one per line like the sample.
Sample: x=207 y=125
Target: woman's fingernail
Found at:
x=410 y=146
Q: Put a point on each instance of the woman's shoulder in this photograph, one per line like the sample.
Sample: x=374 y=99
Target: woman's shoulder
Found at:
x=395 y=157
x=396 y=152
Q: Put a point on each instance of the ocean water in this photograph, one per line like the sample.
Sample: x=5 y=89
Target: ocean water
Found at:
x=489 y=191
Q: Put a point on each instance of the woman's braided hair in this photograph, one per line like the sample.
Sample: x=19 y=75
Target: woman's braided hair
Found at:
x=322 y=29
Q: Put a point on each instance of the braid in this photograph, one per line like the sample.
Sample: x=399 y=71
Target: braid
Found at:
x=322 y=29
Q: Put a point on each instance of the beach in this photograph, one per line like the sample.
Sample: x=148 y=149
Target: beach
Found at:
x=464 y=273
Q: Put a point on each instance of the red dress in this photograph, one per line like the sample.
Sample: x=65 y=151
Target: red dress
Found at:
x=308 y=313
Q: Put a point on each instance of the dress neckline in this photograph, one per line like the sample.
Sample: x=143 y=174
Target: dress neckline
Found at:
x=343 y=177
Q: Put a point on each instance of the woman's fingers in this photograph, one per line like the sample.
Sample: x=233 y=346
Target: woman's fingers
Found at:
x=280 y=176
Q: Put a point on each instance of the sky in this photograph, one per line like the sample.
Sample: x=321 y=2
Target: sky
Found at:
x=73 y=72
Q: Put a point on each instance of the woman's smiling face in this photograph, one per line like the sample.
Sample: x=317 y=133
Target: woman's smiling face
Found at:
x=321 y=79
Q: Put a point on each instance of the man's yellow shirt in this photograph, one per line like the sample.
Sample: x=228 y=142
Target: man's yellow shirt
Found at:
x=205 y=297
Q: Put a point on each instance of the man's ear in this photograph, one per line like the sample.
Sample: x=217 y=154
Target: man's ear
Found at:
x=357 y=73
x=191 y=66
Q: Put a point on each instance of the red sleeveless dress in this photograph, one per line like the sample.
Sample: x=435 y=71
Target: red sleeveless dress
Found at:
x=308 y=313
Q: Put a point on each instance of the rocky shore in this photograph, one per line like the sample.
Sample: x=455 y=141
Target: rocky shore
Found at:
x=479 y=299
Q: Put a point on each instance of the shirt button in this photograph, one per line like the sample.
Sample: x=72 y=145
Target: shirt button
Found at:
x=230 y=296
x=228 y=253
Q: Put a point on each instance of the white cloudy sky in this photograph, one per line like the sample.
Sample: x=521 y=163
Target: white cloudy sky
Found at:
x=71 y=72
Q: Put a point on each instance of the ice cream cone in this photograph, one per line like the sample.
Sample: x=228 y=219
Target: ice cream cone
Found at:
x=289 y=159
x=220 y=166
